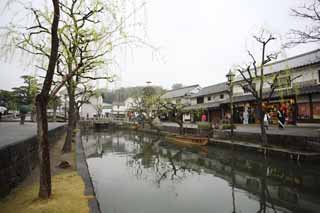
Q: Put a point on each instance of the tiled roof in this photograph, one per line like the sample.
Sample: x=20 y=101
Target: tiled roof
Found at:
x=297 y=61
x=179 y=92
x=221 y=87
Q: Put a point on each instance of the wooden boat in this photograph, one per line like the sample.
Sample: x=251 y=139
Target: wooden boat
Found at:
x=189 y=140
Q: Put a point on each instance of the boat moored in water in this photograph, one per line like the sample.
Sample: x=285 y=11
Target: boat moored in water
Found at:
x=189 y=140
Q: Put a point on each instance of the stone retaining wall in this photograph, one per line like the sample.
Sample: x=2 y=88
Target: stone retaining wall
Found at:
x=18 y=160
x=286 y=141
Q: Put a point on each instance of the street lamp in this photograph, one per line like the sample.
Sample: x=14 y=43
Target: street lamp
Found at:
x=230 y=76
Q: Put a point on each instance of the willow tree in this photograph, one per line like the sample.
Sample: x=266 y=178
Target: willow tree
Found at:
x=42 y=100
x=41 y=40
x=89 y=33
x=45 y=49
x=96 y=29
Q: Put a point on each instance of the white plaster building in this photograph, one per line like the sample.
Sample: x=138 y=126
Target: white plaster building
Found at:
x=92 y=109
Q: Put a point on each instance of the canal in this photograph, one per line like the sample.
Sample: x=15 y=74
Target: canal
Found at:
x=142 y=173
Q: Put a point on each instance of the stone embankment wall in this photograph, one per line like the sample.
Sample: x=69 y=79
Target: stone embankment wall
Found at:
x=301 y=143
x=18 y=160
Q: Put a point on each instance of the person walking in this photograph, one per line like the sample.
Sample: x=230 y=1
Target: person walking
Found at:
x=245 y=117
x=266 y=120
x=203 y=117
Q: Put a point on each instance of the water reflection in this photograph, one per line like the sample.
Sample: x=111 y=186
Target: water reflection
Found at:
x=143 y=173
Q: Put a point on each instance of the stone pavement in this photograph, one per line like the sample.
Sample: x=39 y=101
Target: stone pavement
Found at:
x=254 y=128
x=13 y=132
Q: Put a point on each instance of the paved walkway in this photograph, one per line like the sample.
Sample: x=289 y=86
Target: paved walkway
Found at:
x=13 y=132
x=289 y=130
x=253 y=128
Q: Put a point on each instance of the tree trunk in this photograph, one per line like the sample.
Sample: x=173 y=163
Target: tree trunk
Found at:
x=77 y=116
x=22 y=118
x=181 y=128
x=67 y=147
x=264 y=138
x=54 y=116
x=44 y=150
x=41 y=108
x=33 y=114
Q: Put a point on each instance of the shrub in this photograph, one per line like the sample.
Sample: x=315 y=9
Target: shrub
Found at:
x=204 y=125
x=24 y=109
x=228 y=126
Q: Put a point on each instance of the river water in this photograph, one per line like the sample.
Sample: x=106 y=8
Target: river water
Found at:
x=143 y=173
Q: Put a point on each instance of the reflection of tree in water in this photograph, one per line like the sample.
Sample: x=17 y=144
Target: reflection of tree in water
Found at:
x=264 y=191
x=150 y=163
x=258 y=184
x=161 y=163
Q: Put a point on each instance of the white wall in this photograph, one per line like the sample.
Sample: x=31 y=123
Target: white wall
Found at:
x=307 y=74
x=88 y=109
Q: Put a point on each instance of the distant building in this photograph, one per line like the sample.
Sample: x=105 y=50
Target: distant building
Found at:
x=298 y=89
x=298 y=92
x=181 y=95
x=92 y=109
x=106 y=110
x=209 y=99
x=118 y=110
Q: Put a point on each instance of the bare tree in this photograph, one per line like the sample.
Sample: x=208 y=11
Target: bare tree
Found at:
x=41 y=106
x=254 y=73
x=311 y=34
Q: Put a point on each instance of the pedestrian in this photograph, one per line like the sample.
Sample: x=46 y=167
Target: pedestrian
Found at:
x=266 y=120
x=203 y=117
x=280 y=117
x=245 y=117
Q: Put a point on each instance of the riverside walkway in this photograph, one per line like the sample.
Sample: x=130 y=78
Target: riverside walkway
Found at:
x=12 y=132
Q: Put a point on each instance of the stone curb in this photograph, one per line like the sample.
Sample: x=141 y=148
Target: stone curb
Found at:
x=83 y=171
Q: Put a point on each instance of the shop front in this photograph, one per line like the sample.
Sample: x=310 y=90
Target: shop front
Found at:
x=309 y=108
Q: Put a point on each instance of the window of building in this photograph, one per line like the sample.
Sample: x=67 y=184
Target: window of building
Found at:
x=222 y=96
x=319 y=76
x=316 y=110
x=283 y=82
x=200 y=100
x=304 y=111
x=209 y=98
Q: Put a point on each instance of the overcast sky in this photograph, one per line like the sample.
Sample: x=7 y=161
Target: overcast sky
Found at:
x=198 y=40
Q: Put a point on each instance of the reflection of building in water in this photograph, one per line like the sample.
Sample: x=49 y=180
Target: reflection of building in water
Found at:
x=294 y=189
x=290 y=187
x=94 y=145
